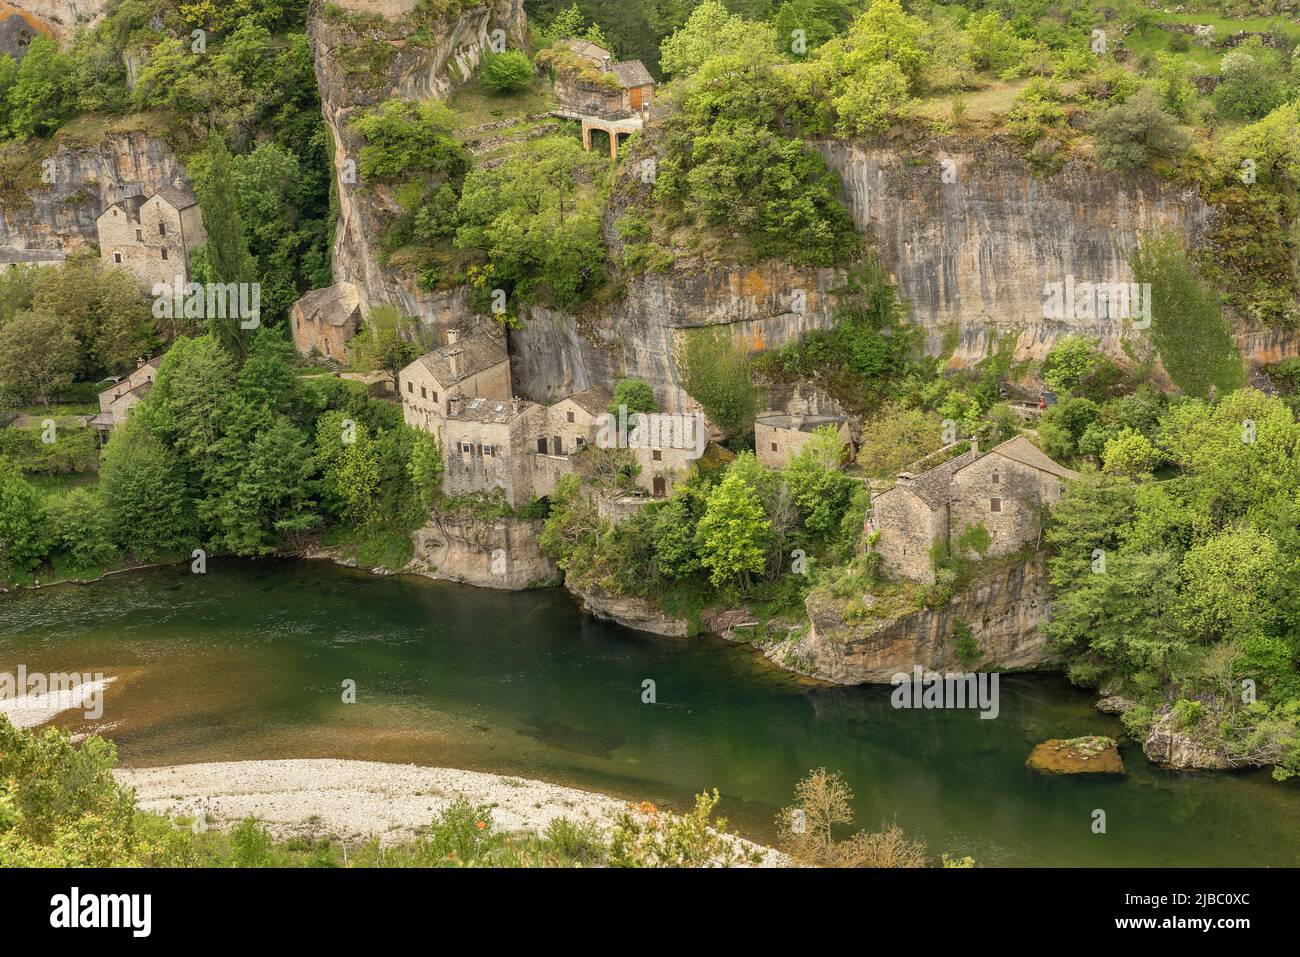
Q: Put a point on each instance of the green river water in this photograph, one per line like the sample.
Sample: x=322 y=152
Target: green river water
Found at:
x=247 y=662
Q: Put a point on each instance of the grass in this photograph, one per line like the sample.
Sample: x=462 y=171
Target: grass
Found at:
x=373 y=546
x=475 y=105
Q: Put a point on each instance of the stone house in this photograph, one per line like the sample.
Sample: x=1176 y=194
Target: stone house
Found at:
x=152 y=237
x=613 y=96
x=325 y=319
x=486 y=446
x=476 y=367
x=570 y=426
x=1005 y=489
x=118 y=399
x=665 y=445
x=779 y=436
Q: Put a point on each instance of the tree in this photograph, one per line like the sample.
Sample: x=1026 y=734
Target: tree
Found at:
x=709 y=32
x=820 y=489
x=717 y=375
x=1130 y=453
x=24 y=535
x=672 y=534
x=381 y=345
x=145 y=494
x=425 y=468
x=1133 y=134
x=80 y=528
x=506 y=72
x=872 y=100
x=1070 y=362
x=38 y=355
x=634 y=394
x=1250 y=87
x=226 y=249
x=732 y=533
x=42 y=95
x=407 y=139
x=1229 y=579
x=897 y=437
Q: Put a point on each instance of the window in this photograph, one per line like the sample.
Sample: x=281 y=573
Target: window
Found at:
x=162 y=229
x=995 y=505
x=580 y=442
x=489 y=450
x=541 y=445
x=424 y=393
x=117 y=257
x=435 y=396
x=410 y=387
x=995 y=477
x=773 y=446
x=164 y=252
x=466 y=448
x=657 y=455
x=139 y=235
x=570 y=416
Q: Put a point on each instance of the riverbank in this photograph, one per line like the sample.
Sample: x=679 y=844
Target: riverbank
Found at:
x=355 y=801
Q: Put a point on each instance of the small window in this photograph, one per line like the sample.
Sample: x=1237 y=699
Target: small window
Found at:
x=570 y=416
x=995 y=477
x=487 y=450
x=410 y=387
x=435 y=396
x=995 y=505
x=424 y=393
x=466 y=448
x=164 y=252
x=117 y=257
x=541 y=445
x=580 y=442
x=139 y=235
x=657 y=455
x=162 y=229
x=773 y=446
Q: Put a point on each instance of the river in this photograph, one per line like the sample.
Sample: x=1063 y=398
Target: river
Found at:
x=249 y=660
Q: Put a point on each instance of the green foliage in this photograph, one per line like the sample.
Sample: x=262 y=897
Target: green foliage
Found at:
x=716 y=374
x=384 y=344
x=506 y=72
x=1189 y=330
x=1070 y=363
x=634 y=394
x=23 y=532
x=732 y=533
x=537 y=219
x=38 y=356
x=1134 y=134
x=1250 y=87
x=648 y=837
x=406 y=139
x=42 y=94
x=1130 y=453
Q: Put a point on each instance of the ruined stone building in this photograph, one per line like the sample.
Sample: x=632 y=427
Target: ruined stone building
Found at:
x=1005 y=490
x=152 y=237
x=475 y=367
x=778 y=436
x=605 y=94
x=118 y=399
x=487 y=446
x=324 y=320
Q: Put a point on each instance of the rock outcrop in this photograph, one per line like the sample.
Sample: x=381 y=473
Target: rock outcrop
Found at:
x=636 y=613
x=84 y=181
x=1173 y=746
x=1090 y=754
x=972 y=255
x=490 y=553
x=1004 y=609
x=365 y=52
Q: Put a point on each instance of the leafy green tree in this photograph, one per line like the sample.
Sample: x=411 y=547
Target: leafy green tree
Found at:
x=42 y=96
x=80 y=528
x=1250 y=87
x=717 y=375
x=820 y=489
x=709 y=32
x=24 y=535
x=381 y=346
x=537 y=218
x=146 y=495
x=1070 y=362
x=732 y=534
x=636 y=395
x=672 y=533
x=1130 y=453
x=1229 y=578
x=425 y=468
x=38 y=356
x=405 y=139
x=1134 y=134
x=226 y=249
x=506 y=72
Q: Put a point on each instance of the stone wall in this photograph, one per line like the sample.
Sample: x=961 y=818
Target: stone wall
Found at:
x=908 y=529
x=1020 y=490
x=1004 y=608
x=152 y=245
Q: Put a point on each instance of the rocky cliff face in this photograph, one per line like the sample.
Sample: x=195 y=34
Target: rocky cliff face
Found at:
x=491 y=554
x=62 y=16
x=973 y=254
x=86 y=179
x=369 y=52
x=1005 y=610
x=635 y=613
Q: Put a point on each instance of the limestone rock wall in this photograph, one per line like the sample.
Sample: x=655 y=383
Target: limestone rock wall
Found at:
x=416 y=69
x=501 y=553
x=974 y=254
x=63 y=16
x=61 y=214
x=1005 y=611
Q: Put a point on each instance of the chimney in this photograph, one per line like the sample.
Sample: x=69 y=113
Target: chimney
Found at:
x=514 y=404
x=453 y=406
x=905 y=478
x=975 y=446
x=453 y=336
x=453 y=360
x=605 y=64
x=796 y=421
x=139 y=363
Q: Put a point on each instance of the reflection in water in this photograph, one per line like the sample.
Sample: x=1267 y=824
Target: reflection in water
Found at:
x=248 y=662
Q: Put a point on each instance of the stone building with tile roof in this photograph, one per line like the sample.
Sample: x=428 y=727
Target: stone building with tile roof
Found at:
x=152 y=237
x=1006 y=490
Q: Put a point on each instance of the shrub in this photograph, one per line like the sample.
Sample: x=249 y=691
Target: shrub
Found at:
x=1133 y=134
x=506 y=72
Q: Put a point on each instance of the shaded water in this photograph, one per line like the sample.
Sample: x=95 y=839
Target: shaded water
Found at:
x=247 y=662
